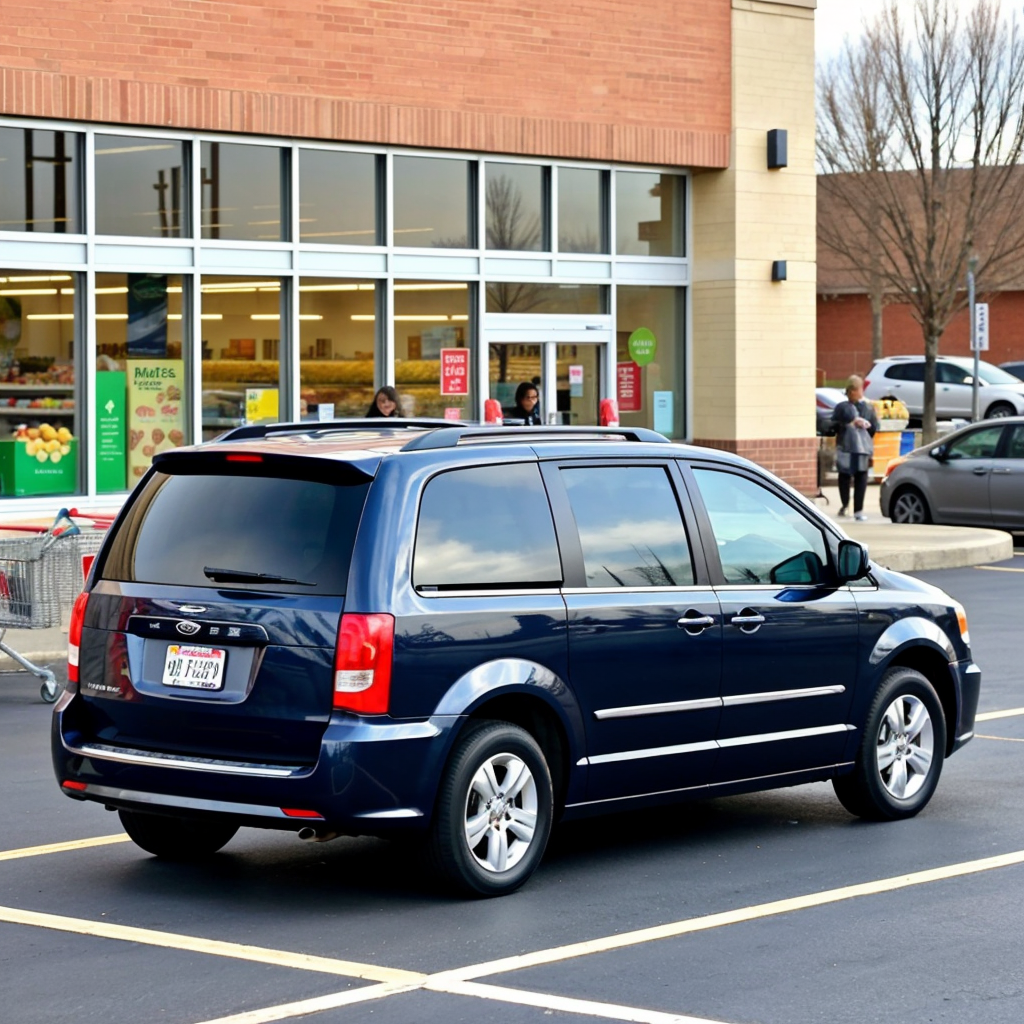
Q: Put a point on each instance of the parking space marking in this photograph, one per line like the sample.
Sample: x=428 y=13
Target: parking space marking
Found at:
x=998 y=568
x=989 y=716
x=212 y=947
x=738 y=916
x=318 y=1004
x=1005 y=739
x=74 y=844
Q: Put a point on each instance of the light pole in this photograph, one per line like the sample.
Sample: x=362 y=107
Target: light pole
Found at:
x=972 y=266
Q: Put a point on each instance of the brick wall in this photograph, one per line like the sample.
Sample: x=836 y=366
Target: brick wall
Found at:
x=631 y=80
x=844 y=333
x=795 y=459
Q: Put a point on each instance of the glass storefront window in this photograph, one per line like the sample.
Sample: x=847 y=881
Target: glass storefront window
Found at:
x=431 y=320
x=650 y=365
x=141 y=390
x=649 y=211
x=241 y=367
x=337 y=327
x=39 y=180
x=140 y=186
x=581 y=210
x=509 y=366
x=516 y=199
x=38 y=409
x=533 y=297
x=242 y=192
x=433 y=200
x=338 y=198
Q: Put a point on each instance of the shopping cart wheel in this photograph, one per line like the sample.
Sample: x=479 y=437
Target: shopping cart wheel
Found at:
x=49 y=690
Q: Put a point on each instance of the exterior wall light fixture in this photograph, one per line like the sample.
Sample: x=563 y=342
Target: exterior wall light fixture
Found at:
x=778 y=144
x=778 y=270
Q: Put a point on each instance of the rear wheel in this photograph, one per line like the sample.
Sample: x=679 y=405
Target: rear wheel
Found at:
x=909 y=506
x=176 y=838
x=998 y=410
x=494 y=811
x=900 y=757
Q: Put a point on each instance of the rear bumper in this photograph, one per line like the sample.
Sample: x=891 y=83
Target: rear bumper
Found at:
x=373 y=776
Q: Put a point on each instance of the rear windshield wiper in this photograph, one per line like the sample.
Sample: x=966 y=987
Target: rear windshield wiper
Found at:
x=241 y=576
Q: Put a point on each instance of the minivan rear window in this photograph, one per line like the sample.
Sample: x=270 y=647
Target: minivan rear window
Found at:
x=255 y=527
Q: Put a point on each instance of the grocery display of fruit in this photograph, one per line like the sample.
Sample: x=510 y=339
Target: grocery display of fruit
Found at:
x=45 y=443
x=891 y=409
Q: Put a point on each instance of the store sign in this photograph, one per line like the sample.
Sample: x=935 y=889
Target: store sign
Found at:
x=455 y=371
x=979 y=343
x=629 y=388
x=156 y=412
x=575 y=381
x=664 y=412
x=111 y=431
x=261 y=405
x=643 y=346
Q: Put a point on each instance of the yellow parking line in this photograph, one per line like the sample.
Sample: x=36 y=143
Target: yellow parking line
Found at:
x=74 y=844
x=989 y=716
x=212 y=947
x=700 y=924
x=316 y=1005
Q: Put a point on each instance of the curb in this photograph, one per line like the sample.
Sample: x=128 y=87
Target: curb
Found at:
x=984 y=547
x=44 y=658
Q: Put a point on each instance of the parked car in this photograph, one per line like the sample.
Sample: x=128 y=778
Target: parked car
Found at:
x=1016 y=369
x=468 y=633
x=826 y=399
x=1000 y=393
x=973 y=476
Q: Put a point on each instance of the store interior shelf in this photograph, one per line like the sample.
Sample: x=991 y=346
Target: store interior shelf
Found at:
x=7 y=388
x=12 y=412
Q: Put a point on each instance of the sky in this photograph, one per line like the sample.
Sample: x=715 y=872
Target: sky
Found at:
x=836 y=18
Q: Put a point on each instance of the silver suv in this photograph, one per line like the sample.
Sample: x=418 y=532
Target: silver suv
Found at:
x=1000 y=393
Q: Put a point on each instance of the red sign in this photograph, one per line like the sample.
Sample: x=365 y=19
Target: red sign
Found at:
x=455 y=371
x=630 y=393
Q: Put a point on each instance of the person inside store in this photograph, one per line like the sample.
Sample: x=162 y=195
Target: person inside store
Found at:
x=856 y=424
x=385 y=403
x=527 y=407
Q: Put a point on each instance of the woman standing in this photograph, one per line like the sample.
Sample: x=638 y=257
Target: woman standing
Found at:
x=385 y=403
x=856 y=424
x=527 y=407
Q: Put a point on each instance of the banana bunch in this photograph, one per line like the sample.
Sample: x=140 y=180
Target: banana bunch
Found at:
x=890 y=409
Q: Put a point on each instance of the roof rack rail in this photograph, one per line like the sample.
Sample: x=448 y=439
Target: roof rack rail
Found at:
x=465 y=432
x=332 y=426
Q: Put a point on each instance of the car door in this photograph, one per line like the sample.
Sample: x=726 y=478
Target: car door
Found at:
x=644 y=626
x=789 y=632
x=958 y=484
x=906 y=382
x=953 y=390
x=1006 y=480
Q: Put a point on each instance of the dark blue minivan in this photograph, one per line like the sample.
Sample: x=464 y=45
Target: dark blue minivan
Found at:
x=469 y=633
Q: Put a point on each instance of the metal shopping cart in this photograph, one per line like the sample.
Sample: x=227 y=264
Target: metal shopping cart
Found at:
x=40 y=577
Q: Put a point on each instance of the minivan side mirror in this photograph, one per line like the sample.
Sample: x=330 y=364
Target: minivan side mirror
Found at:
x=852 y=561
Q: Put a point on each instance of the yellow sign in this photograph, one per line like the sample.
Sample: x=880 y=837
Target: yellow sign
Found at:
x=261 y=405
x=156 y=411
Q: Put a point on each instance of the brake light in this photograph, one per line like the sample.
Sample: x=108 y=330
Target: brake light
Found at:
x=867 y=383
x=78 y=787
x=75 y=635
x=243 y=458
x=362 y=663
x=299 y=812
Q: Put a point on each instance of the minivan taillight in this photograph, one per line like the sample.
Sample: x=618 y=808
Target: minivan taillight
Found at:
x=362 y=663
x=75 y=635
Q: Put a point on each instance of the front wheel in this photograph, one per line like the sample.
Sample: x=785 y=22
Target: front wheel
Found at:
x=909 y=506
x=175 y=838
x=494 y=811
x=900 y=758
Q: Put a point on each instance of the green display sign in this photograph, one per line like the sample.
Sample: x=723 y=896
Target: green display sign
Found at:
x=642 y=346
x=111 y=447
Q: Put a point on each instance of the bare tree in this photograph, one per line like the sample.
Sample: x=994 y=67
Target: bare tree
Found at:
x=921 y=129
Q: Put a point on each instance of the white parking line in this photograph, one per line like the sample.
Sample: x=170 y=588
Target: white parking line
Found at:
x=988 y=716
x=998 y=568
x=1004 y=739
x=74 y=844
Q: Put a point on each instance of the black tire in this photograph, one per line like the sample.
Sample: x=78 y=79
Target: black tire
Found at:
x=909 y=505
x=474 y=870
x=176 y=838
x=998 y=410
x=915 y=755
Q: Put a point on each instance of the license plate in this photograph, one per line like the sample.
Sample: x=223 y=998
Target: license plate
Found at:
x=197 y=668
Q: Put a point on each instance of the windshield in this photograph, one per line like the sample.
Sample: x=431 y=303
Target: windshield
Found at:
x=993 y=375
x=246 y=532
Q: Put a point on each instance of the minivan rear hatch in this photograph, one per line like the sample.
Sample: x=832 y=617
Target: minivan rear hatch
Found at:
x=211 y=627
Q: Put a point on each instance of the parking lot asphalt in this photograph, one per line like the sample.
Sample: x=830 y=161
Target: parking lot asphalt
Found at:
x=769 y=908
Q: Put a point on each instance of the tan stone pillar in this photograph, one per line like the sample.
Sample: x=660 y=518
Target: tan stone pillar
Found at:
x=753 y=351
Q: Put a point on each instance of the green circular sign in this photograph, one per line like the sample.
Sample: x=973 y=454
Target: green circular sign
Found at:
x=642 y=346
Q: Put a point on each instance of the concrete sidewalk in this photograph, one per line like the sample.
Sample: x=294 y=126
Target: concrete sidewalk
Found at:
x=905 y=548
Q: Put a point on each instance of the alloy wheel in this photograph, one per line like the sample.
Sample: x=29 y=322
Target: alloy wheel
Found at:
x=909 y=507
x=501 y=812
x=905 y=747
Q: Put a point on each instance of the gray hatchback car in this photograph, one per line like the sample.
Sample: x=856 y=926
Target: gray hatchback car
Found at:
x=973 y=476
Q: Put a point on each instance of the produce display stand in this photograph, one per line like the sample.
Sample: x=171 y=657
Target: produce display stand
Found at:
x=40 y=577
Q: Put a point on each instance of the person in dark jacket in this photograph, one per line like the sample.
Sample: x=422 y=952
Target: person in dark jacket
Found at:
x=527 y=407
x=856 y=424
x=385 y=403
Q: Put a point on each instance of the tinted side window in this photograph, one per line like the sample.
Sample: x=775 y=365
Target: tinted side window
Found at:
x=950 y=373
x=181 y=525
x=906 y=371
x=760 y=537
x=488 y=526
x=979 y=444
x=1015 y=449
x=630 y=526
